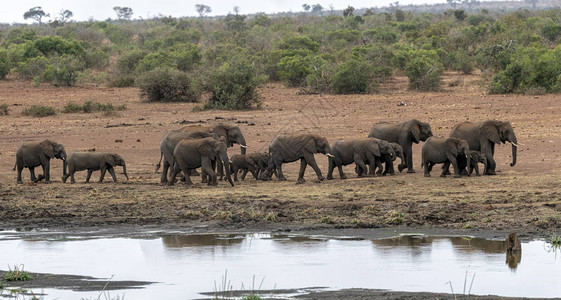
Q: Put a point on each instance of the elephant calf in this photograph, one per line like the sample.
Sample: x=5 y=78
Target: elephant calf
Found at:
x=253 y=162
x=93 y=161
x=444 y=150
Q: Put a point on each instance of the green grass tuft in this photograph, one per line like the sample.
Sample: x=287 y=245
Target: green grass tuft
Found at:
x=17 y=274
x=38 y=111
x=4 y=110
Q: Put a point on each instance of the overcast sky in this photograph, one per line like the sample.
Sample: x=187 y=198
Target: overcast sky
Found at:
x=13 y=10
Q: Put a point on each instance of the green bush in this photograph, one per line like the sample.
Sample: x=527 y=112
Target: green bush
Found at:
x=32 y=68
x=53 y=46
x=96 y=59
x=233 y=85
x=355 y=76
x=38 y=111
x=424 y=70
x=90 y=107
x=4 y=64
x=127 y=63
x=122 y=81
x=153 y=61
x=168 y=85
x=4 y=109
x=294 y=69
x=62 y=70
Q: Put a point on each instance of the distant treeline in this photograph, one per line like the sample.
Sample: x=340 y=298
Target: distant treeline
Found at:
x=175 y=59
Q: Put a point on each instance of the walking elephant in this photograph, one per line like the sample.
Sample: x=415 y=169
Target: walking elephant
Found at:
x=483 y=137
x=31 y=154
x=389 y=160
x=287 y=148
x=405 y=134
x=94 y=161
x=360 y=151
x=170 y=141
x=253 y=162
x=194 y=153
x=232 y=134
x=444 y=150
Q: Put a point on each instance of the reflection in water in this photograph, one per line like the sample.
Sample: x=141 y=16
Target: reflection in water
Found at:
x=188 y=264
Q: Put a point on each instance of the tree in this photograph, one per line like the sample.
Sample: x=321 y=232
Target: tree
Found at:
x=203 y=9
x=36 y=13
x=317 y=9
x=460 y=14
x=65 y=15
x=471 y=3
x=123 y=13
x=533 y=2
x=348 y=11
x=306 y=7
x=453 y=3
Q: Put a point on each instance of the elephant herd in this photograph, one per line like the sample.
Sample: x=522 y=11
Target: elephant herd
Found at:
x=189 y=148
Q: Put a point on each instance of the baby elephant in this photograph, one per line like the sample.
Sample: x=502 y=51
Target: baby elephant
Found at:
x=475 y=158
x=253 y=162
x=444 y=150
x=93 y=161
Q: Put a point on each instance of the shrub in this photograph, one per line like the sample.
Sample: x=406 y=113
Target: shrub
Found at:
x=32 y=68
x=294 y=69
x=424 y=70
x=17 y=274
x=168 y=85
x=53 y=46
x=90 y=106
x=4 y=64
x=38 y=111
x=126 y=64
x=122 y=81
x=234 y=84
x=4 y=110
x=62 y=70
x=355 y=76
x=96 y=59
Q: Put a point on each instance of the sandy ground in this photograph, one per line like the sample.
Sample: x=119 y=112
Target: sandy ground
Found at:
x=525 y=198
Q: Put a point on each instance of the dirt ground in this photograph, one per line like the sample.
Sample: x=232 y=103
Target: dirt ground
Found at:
x=525 y=198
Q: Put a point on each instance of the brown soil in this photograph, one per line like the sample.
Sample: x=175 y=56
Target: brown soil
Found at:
x=525 y=198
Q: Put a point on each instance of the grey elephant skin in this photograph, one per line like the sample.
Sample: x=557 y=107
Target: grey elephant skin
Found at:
x=476 y=157
x=444 y=150
x=94 y=161
x=360 y=151
x=231 y=134
x=199 y=153
x=287 y=148
x=484 y=136
x=405 y=134
x=31 y=154
x=388 y=161
x=253 y=162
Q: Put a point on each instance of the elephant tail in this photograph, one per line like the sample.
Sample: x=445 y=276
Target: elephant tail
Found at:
x=159 y=162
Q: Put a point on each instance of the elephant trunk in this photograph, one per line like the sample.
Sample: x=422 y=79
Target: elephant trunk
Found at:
x=125 y=171
x=514 y=148
x=64 y=167
x=243 y=146
x=226 y=163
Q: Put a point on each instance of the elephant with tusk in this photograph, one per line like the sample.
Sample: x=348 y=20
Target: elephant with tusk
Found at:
x=484 y=136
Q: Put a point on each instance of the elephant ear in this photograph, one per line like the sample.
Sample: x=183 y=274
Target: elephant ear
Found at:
x=109 y=159
x=206 y=147
x=491 y=132
x=452 y=146
x=375 y=149
x=415 y=131
x=250 y=161
x=47 y=148
x=222 y=131
x=310 y=144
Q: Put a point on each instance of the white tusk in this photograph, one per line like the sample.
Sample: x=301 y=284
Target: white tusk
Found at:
x=330 y=155
x=516 y=145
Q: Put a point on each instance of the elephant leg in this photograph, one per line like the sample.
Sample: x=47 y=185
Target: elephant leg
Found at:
x=454 y=161
x=309 y=157
x=88 y=176
x=303 y=165
x=20 y=169
x=488 y=150
x=445 y=169
x=235 y=172
x=331 y=166
x=164 y=177
x=207 y=167
x=102 y=175
x=409 y=157
x=32 y=176
x=427 y=166
x=173 y=174
x=112 y=172
x=278 y=166
x=361 y=166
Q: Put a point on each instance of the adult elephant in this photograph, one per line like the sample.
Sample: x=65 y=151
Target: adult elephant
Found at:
x=170 y=141
x=405 y=134
x=31 y=154
x=93 y=161
x=287 y=148
x=199 y=153
x=360 y=151
x=232 y=134
x=483 y=137
x=444 y=150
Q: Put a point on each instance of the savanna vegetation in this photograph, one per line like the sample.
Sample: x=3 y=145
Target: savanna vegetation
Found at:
x=179 y=59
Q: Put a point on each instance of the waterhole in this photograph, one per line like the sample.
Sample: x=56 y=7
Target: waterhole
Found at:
x=184 y=266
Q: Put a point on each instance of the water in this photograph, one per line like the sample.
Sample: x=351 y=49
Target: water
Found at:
x=184 y=266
